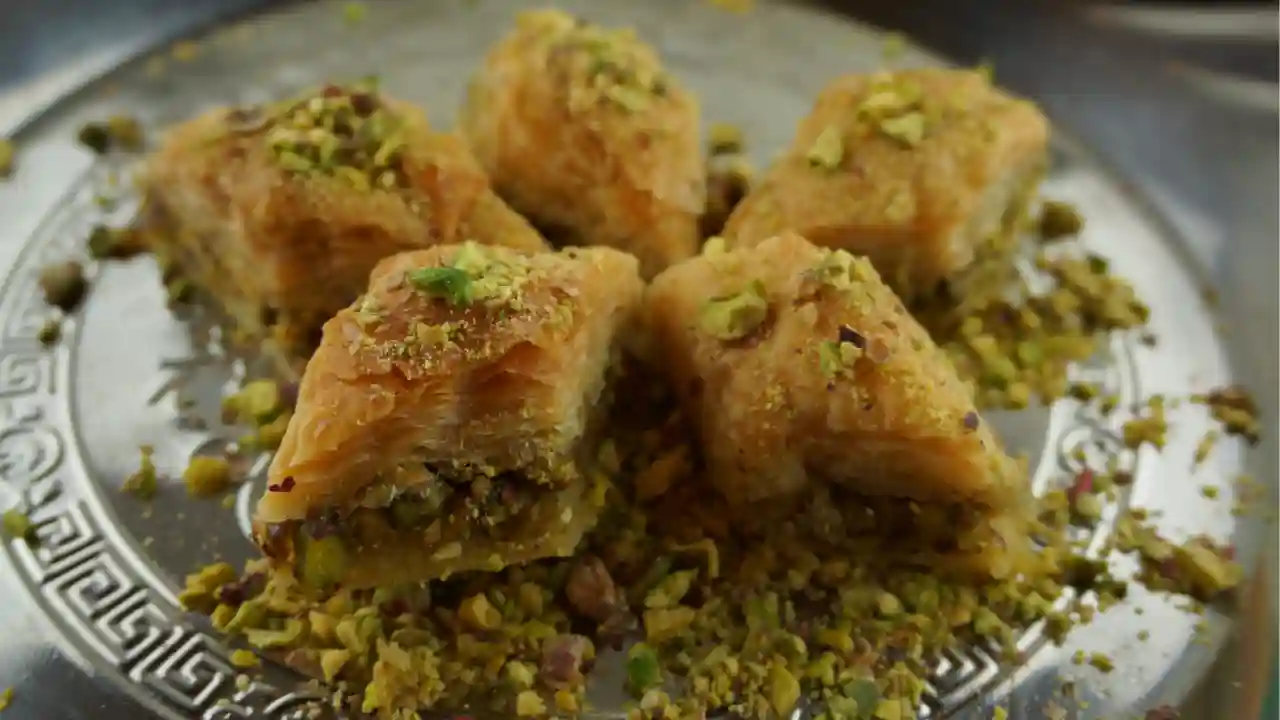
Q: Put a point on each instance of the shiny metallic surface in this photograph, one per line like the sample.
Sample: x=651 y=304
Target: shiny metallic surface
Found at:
x=1179 y=189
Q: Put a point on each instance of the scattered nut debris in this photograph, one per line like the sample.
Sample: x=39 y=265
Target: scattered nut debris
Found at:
x=50 y=332
x=144 y=482
x=207 y=476
x=1059 y=220
x=17 y=526
x=64 y=285
x=7 y=154
x=118 y=132
x=115 y=243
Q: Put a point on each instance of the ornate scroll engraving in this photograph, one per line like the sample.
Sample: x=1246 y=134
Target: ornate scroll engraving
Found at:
x=274 y=704
x=90 y=585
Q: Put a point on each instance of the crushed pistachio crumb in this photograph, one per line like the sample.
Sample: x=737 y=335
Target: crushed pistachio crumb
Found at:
x=908 y=129
x=1059 y=220
x=7 y=155
x=733 y=317
x=18 y=526
x=143 y=482
x=207 y=476
x=1101 y=662
x=1204 y=447
x=345 y=132
x=200 y=592
x=63 y=284
x=256 y=403
x=50 y=332
x=1019 y=346
x=1149 y=428
x=114 y=243
x=117 y=132
x=1235 y=410
x=244 y=659
x=606 y=67
x=449 y=283
x=827 y=150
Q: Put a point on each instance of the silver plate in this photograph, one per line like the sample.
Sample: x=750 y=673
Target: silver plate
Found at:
x=95 y=629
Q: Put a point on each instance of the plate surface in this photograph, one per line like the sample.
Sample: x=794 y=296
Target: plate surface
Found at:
x=95 y=628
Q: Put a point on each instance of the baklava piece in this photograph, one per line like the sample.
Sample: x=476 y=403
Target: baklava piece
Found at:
x=928 y=173
x=280 y=212
x=582 y=131
x=803 y=371
x=448 y=419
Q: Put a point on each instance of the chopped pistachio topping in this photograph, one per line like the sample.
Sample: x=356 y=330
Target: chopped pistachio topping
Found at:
x=733 y=317
x=837 y=357
x=827 y=150
x=841 y=271
x=606 y=66
x=348 y=133
x=449 y=283
x=907 y=129
x=894 y=108
x=474 y=275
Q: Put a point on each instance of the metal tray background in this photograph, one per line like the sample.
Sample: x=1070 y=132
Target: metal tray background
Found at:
x=93 y=627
